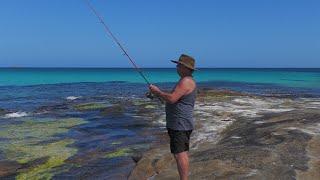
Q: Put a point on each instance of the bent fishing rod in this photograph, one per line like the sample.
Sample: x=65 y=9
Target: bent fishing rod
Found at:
x=109 y=32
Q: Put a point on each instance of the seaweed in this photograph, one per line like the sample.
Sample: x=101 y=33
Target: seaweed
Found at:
x=35 y=139
x=118 y=153
x=90 y=106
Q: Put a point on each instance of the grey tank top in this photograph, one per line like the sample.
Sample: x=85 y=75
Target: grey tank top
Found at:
x=179 y=116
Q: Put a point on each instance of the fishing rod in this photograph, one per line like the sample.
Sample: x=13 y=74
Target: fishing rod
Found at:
x=109 y=32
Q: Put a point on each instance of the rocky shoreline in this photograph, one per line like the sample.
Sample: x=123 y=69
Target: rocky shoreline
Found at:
x=240 y=136
x=237 y=136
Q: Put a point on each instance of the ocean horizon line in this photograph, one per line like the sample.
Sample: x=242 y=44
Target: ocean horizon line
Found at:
x=157 y=67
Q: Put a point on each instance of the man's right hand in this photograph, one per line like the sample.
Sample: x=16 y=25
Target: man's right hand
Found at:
x=154 y=89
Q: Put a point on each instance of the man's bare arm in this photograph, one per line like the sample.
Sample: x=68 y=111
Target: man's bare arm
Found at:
x=181 y=89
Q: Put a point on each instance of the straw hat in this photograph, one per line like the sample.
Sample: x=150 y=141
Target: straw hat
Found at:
x=187 y=61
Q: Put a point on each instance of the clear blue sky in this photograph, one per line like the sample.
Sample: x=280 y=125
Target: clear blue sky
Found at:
x=218 y=33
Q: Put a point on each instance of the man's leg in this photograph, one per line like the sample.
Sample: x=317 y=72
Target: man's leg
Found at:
x=182 y=160
x=179 y=146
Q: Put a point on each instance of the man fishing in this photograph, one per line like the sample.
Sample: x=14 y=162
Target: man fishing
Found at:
x=179 y=112
x=179 y=103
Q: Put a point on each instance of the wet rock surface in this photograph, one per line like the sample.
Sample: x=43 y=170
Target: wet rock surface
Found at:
x=153 y=162
x=266 y=138
x=8 y=168
x=237 y=136
x=115 y=110
x=270 y=150
x=98 y=137
x=3 y=112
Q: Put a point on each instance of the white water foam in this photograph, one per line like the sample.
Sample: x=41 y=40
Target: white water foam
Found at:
x=312 y=130
x=215 y=116
x=162 y=120
x=16 y=115
x=71 y=98
x=235 y=137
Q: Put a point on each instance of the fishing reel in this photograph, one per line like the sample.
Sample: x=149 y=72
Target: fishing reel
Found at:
x=152 y=96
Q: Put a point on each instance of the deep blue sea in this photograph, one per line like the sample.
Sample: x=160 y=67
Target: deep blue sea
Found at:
x=114 y=119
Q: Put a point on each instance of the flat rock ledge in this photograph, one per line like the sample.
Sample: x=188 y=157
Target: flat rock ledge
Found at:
x=276 y=146
x=152 y=163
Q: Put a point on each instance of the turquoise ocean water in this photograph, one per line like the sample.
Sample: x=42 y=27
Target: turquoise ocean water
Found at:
x=304 y=78
x=113 y=118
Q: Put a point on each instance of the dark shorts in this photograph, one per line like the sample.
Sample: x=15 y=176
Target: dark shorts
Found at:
x=179 y=140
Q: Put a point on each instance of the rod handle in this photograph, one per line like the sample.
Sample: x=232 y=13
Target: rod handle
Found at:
x=152 y=96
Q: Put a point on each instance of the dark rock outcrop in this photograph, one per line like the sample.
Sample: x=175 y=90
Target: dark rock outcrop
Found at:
x=3 y=112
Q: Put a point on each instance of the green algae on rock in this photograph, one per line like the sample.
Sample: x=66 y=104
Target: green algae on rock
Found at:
x=150 y=106
x=116 y=143
x=58 y=153
x=38 y=130
x=214 y=94
x=115 y=110
x=119 y=153
x=90 y=106
x=35 y=139
x=138 y=102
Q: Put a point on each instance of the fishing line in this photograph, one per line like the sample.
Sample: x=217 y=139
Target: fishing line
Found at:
x=109 y=32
